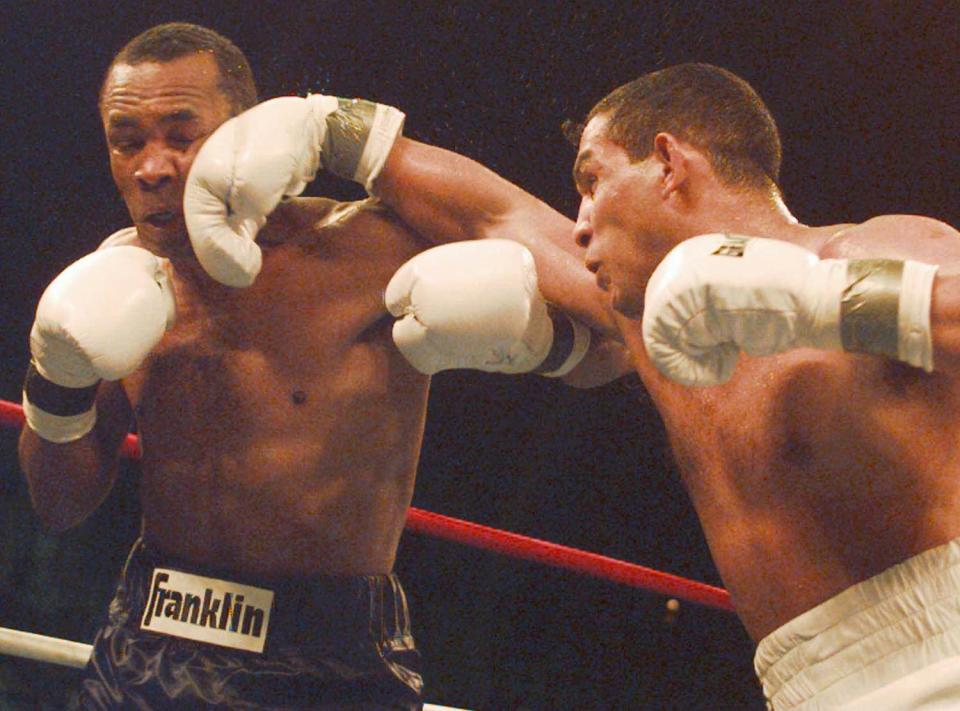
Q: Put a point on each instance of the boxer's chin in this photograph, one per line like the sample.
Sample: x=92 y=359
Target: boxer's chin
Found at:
x=625 y=304
x=167 y=239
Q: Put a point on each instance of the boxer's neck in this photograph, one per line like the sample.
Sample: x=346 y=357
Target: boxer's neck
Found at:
x=745 y=213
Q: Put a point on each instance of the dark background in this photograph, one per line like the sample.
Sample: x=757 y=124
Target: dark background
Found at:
x=866 y=97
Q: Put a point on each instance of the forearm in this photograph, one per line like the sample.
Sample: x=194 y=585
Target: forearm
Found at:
x=66 y=481
x=95 y=324
x=606 y=361
x=447 y=197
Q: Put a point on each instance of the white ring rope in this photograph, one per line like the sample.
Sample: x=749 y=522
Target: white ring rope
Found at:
x=44 y=649
x=52 y=650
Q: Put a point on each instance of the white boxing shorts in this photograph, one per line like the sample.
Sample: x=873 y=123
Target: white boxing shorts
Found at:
x=891 y=642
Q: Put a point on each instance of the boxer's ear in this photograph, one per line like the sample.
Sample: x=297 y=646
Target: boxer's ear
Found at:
x=672 y=161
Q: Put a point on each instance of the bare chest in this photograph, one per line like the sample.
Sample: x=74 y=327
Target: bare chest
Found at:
x=294 y=347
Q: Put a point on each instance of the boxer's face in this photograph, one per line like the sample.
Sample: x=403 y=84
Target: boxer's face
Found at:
x=618 y=218
x=156 y=116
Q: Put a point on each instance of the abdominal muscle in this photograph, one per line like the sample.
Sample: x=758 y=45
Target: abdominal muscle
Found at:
x=280 y=505
x=268 y=462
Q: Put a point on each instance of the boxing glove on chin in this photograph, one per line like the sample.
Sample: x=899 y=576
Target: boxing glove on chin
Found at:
x=270 y=152
x=476 y=305
x=97 y=320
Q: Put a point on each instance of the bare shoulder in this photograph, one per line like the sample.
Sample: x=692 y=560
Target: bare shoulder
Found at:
x=896 y=237
x=322 y=221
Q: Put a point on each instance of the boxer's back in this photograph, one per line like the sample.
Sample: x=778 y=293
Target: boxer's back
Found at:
x=813 y=470
x=280 y=427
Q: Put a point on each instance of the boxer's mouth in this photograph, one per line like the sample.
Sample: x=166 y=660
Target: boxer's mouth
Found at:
x=161 y=218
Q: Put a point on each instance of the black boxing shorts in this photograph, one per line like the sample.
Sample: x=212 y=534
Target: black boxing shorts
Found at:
x=181 y=636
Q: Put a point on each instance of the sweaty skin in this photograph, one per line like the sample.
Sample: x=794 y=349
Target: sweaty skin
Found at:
x=280 y=426
x=810 y=471
x=280 y=420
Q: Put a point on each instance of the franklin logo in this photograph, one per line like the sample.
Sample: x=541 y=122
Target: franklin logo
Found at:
x=207 y=610
x=731 y=247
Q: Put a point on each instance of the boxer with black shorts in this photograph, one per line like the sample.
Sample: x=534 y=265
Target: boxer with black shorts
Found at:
x=333 y=642
x=280 y=425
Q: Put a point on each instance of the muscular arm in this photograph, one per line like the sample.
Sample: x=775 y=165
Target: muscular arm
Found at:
x=606 y=361
x=448 y=197
x=442 y=196
x=68 y=481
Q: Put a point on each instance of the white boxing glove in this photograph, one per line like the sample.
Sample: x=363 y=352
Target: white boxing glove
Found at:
x=717 y=294
x=97 y=320
x=477 y=305
x=270 y=152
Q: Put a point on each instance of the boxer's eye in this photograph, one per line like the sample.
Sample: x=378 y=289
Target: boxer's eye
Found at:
x=585 y=182
x=126 y=145
x=180 y=142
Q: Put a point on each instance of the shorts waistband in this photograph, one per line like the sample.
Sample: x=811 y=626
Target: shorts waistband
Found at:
x=306 y=611
x=900 y=620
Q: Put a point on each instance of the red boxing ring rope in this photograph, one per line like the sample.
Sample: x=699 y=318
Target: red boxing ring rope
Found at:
x=511 y=544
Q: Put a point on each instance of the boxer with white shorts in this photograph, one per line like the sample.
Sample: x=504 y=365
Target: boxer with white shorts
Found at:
x=808 y=377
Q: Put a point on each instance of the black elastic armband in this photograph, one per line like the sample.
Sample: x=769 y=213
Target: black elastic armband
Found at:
x=563 y=342
x=57 y=399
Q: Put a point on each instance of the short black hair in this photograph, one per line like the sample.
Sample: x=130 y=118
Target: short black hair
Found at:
x=704 y=105
x=172 y=40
